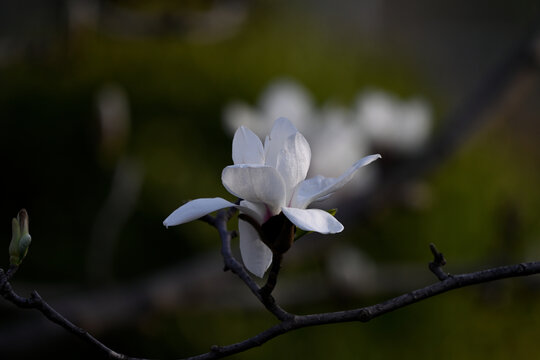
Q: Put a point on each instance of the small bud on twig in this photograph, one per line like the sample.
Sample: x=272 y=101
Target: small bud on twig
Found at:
x=20 y=238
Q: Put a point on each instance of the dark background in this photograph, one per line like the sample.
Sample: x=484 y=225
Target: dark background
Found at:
x=97 y=198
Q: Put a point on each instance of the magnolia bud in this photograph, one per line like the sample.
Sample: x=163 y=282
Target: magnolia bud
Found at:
x=20 y=238
x=278 y=233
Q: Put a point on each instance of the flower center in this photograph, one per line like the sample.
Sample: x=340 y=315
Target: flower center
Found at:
x=278 y=233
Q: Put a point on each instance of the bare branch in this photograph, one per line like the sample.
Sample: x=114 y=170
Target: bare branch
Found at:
x=289 y=322
x=36 y=302
x=368 y=313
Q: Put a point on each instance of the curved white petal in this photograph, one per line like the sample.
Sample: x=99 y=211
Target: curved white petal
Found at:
x=196 y=209
x=313 y=220
x=312 y=189
x=256 y=256
x=257 y=211
x=247 y=148
x=293 y=161
x=273 y=144
x=256 y=183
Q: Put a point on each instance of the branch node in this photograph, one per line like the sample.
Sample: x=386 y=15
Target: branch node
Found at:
x=438 y=262
x=266 y=296
x=34 y=298
x=364 y=315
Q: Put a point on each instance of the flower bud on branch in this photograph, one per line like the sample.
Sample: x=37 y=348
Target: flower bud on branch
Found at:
x=20 y=238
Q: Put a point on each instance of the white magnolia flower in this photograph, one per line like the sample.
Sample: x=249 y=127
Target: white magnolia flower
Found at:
x=270 y=180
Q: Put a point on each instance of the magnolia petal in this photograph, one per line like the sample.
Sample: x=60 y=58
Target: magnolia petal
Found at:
x=196 y=209
x=313 y=220
x=293 y=161
x=273 y=144
x=319 y=186
x=256 y=183
x=247 y=148
x=256 y=256
x=257 y=211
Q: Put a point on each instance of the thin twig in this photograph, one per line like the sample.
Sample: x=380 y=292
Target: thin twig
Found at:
x=438 y=262
x=220 y=223
x=11 y=271
x=35 y=301
x=272 y=275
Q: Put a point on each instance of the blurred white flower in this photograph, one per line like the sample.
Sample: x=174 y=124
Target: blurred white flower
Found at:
x=288 y=99
x=282 y=98
x=401 y=126
x=336 y=141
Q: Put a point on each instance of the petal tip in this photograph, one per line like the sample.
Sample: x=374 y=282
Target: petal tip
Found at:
x=284 y=122
x=257 y=273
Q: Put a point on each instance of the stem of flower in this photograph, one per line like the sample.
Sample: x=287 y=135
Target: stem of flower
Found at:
x=267 y=289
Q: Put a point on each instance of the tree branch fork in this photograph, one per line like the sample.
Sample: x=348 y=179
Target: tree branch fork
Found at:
x=286 y=321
